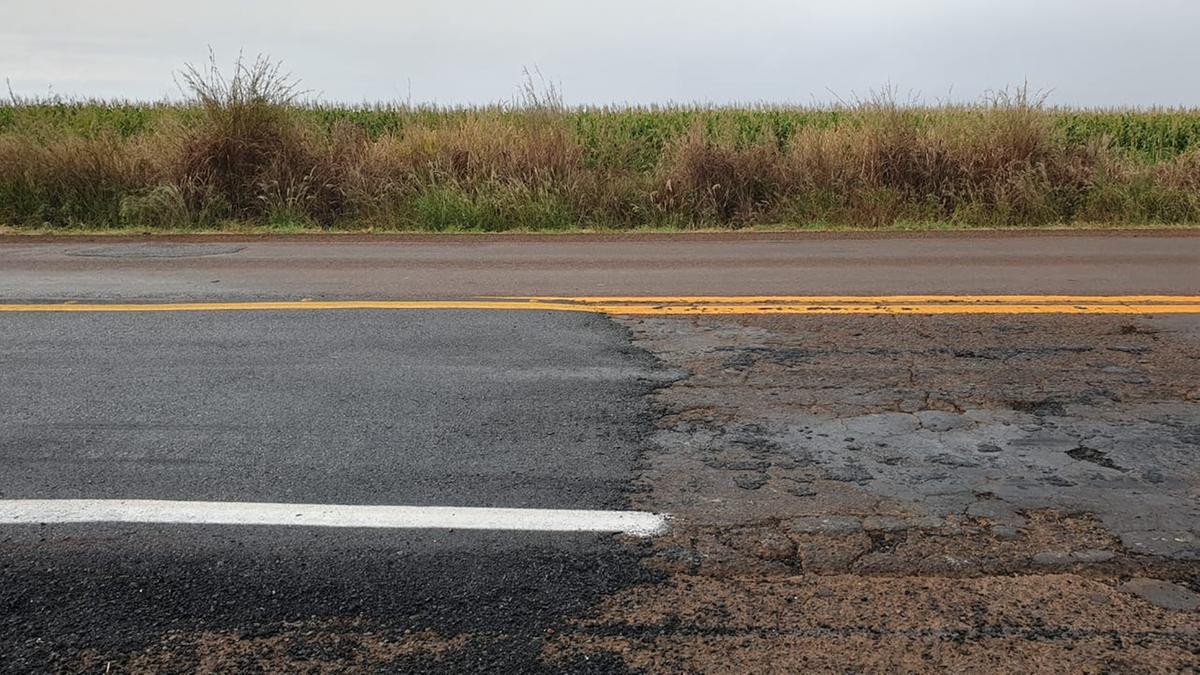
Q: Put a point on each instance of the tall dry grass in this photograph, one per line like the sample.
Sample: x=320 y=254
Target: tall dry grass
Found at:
x=248 y=149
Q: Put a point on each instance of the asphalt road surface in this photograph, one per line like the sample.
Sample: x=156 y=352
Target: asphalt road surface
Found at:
x=848 y=492
x=458 y=409
x=467 y=266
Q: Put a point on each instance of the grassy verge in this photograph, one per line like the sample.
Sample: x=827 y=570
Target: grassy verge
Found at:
x=289 y=230
x=245 y=155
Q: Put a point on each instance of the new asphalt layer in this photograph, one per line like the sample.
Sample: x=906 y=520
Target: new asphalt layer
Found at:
x=420 y=408
x=479 y=409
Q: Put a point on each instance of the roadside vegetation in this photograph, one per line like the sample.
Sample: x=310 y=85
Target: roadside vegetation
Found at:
x=249 y=150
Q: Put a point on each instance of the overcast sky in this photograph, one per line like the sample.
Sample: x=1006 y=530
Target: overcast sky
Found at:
x=1089 y=52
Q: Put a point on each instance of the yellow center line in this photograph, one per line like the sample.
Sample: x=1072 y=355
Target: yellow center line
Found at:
x=266 y=305
x=879 y=299
x=866 y=308
x=682 y=305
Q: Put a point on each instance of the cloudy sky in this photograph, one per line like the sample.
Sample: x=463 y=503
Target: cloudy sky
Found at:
x=1088 y=52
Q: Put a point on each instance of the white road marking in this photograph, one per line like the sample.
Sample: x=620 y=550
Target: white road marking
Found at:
x=38 y=511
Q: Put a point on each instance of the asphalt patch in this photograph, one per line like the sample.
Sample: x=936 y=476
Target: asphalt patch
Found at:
x=447 y=408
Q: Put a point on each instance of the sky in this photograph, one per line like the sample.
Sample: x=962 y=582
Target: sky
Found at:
x=1078 y=52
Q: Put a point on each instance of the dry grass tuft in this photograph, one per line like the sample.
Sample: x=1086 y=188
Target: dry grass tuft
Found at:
x=249 y=154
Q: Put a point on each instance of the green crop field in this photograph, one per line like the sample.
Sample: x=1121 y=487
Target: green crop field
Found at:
x=247 y=152
x=1151 y=135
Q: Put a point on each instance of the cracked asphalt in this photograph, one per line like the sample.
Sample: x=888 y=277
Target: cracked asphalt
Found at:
x=849 y=493
x=1084 y=414
x=920 y=493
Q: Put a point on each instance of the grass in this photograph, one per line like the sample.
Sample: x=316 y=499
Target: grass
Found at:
x=236 y=229
x=247 y=153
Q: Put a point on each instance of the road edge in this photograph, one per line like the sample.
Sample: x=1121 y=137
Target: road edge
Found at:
x=462 y=238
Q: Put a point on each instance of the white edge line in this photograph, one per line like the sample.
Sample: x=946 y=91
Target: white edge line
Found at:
x=55 y=511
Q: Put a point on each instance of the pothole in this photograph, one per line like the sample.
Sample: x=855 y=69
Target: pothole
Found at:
x=155 y=250
x=1097 y=457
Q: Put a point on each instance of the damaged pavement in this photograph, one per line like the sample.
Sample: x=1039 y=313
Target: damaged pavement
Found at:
x=953 y=492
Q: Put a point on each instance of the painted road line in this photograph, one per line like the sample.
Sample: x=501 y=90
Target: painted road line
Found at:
x=681 y=305
x=59 y=511
x=667 y=310
x=879 y=299
x=272 y=305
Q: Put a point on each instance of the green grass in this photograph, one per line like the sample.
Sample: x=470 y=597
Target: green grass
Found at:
x=234 y=228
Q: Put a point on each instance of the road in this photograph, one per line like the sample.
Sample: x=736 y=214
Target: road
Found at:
x=468 y=266
x=462 y=409
x=845 y=491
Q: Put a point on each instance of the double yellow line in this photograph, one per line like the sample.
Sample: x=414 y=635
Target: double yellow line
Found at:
x=705 y=304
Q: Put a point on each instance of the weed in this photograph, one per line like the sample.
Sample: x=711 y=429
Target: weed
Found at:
x=250 y=150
